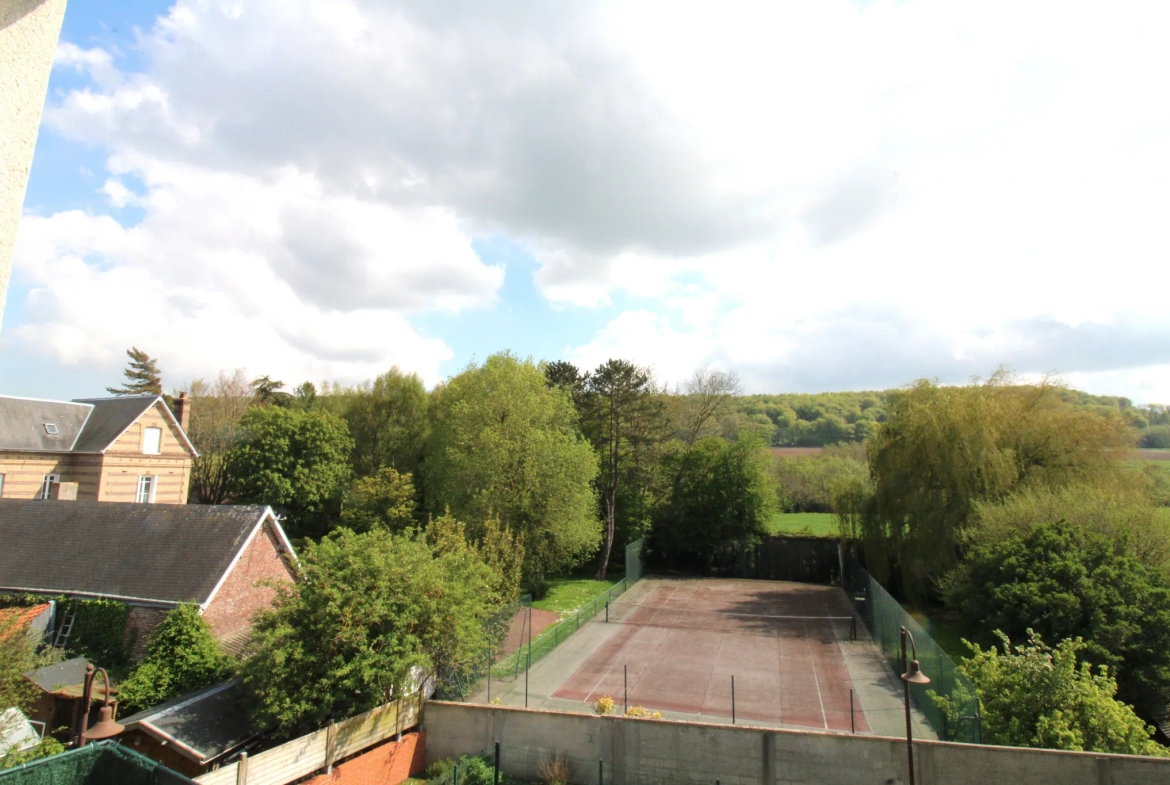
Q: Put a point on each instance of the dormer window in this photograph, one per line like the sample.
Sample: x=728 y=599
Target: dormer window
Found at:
x=51 y=428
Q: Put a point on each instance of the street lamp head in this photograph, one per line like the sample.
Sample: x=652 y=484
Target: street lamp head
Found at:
x=915 y=675
x=106 y=727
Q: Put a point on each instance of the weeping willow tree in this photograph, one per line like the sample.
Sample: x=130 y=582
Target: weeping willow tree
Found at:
x=943 y=450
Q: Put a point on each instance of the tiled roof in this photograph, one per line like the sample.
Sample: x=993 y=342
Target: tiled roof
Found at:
x=164 y=553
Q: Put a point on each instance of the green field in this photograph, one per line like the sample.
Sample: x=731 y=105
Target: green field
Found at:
x=816 y=524
x=566 y=595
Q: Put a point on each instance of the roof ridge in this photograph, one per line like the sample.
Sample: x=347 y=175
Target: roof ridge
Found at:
x=78 y=401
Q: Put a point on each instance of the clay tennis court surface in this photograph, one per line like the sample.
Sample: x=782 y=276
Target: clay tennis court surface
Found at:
x=682 y=641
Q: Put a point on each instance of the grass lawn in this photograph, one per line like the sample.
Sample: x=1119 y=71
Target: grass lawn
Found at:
x=566 y=595
x=817 y=524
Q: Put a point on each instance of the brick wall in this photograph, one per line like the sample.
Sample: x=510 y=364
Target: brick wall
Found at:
x=388 y=764
x=141 y=624
x=239 y=599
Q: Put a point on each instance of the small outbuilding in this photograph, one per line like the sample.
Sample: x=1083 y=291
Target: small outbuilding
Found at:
x=193 y=733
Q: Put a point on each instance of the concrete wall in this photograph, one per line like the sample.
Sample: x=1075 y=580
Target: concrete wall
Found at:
x=28 y=39
x=657 y=751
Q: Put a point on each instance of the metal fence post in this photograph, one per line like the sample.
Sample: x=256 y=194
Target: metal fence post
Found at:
x=626 y=686
x=496 y=773
x=732 y=700
x=600 y=772
x=852 y=721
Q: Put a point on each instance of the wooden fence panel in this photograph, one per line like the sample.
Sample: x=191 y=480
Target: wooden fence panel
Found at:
x=224 y=775
x=304 y=755
x=289 y=761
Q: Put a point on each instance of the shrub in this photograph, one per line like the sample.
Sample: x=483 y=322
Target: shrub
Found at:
x=182 y=657
x=1156 y=437
x=1037 y=696
x=554 y=770
x=1067 y=582
x=438 y=769
x=603 y=706
x=641 y=711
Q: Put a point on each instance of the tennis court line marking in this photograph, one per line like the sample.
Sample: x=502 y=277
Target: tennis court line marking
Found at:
x=733 y=613
x=621 y=648
x=816 y=681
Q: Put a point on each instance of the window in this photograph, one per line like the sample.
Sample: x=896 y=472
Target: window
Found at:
x=152 y=441
x=47 y=484
x=51 y=428
x=1 y=485
x=146 y=487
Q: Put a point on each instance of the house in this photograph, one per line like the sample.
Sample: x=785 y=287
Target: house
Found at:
x=127 y=449
x=152 y=557
x=192 y=733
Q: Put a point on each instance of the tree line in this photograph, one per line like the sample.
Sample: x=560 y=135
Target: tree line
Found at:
x=1014 y=508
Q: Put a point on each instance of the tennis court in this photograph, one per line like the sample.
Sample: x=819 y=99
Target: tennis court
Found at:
x=676 y=645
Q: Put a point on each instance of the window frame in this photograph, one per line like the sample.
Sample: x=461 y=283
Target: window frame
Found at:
x=1 y=485
x=145 y=430
x=47 y=485
x=151 y=482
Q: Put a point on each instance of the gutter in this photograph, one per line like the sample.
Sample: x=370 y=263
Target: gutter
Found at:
x=96 y=595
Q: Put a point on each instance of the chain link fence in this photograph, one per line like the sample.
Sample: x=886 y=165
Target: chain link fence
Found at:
x=884 y=617
x=511 y=647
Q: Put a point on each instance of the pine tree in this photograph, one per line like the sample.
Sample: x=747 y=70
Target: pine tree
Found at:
x=142 y=375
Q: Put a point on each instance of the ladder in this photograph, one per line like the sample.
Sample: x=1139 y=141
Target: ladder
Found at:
x=64 y=631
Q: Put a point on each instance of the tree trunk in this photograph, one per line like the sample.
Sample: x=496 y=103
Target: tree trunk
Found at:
x=607 y=541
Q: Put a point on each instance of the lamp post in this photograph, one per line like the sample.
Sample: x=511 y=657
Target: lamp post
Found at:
x=106 y=726
x=911 y=675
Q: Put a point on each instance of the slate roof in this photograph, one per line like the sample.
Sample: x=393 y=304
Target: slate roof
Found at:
x=86 y=425
x=205 y=724
x=110 y=416
x=157 y=553
x=22 y=424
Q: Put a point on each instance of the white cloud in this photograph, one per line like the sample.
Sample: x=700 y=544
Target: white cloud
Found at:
x=819 y=194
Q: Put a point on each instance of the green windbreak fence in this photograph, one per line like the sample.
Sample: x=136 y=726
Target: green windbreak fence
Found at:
x=634 y=561
x=100 y=763
x=885 y=617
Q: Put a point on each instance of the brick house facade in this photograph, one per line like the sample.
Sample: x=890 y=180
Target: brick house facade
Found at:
x=223 y=558
x=125 y=449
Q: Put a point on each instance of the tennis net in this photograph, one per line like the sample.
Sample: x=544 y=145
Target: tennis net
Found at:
x=772 y=625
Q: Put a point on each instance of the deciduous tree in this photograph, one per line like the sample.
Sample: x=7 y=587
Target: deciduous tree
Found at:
x=384 y=500
x=943 y=449
x=1068 y=582
x=721 y=492
x=505 y=445
x=297 y=461
x=370 y=609
x=388 y=422
x=214 y=429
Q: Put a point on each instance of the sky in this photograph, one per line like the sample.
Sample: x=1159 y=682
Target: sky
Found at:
x=819 y=196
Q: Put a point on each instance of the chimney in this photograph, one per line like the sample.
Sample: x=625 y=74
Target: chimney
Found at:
x=183 y=410
x=63 y=491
